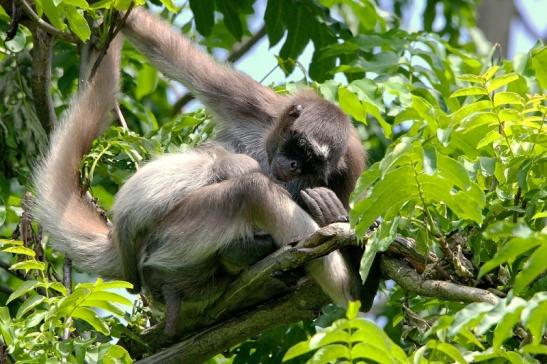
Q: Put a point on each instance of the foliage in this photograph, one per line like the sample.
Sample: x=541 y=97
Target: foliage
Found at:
x=42 y=316
x=458 y=154
x=351 y=339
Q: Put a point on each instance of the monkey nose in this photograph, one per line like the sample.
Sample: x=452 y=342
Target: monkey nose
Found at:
x=293 y=165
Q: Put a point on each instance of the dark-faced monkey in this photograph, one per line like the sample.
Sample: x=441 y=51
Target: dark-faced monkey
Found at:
x=281 y=165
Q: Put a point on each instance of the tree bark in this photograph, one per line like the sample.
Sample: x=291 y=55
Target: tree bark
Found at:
x=494 y=19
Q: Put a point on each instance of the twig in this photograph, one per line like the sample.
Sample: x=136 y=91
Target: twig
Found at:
x=16 y=15
x=113 y=31
x=45 y=25
x=120 y=116
x=67 y=282
x=407 y=278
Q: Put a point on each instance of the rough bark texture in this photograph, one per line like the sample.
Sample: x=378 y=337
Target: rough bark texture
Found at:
x=257 y=301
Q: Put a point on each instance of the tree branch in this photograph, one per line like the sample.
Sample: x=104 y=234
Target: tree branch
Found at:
x=45 y=25
x=257 y=301
x=408 y=279
x=303 y=304
x=41 y=78
x=237 y=52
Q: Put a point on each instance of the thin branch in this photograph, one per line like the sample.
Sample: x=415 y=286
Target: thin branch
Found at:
x=237 y=52
x=408 y=279
x=45 y=25
x=115 y=28
x=120 y=116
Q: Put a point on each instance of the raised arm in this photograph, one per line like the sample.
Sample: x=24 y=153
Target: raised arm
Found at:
x=232 y=95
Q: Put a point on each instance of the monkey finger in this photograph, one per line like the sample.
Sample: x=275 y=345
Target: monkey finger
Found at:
x=312 y=205
x=334 y=202
x=319 y=196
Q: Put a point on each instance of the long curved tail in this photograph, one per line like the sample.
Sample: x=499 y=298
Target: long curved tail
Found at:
x=71 y=221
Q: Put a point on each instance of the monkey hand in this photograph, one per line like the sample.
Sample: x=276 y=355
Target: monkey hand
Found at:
x=324 y=206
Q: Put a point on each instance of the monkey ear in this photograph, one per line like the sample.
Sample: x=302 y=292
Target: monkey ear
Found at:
x=295 y=110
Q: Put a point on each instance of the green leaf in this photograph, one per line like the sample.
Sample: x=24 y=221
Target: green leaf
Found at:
x=472 y=79
x=298 y=23
x=501 y=81
x=6 y=326
x=534 y=266
x=172 y=7
x=57 y=286
x=104 y=305
x=231 y=18
x=353 y=309
x=54 y=15
x=504 y=329
x=508 y=253
x=490 y=72
x=469 y=109
x=29 y=304
x=375 y=112
x=451 y=351
x=24 y=288
x=367 y=351
x=539 y=215
x=11 y=242
x=116 y=355
x=469 y=91
x=35 y=319
x=539 y=64
x=102 y=285
x=273 y=18
x=299 y=349
x=77 y=23
x=89 y=316
x=77 y=3
x=430 y=159
x=28 y=265
x=331 y=353
x=147 y=80
x=204 y=15
x=20 y=250
x=350 y=104
x=111 y=297
x=508 y=98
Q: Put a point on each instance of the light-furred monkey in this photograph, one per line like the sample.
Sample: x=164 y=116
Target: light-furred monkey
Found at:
x=174 y=220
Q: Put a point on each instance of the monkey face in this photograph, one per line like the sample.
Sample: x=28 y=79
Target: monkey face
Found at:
x=308 y=141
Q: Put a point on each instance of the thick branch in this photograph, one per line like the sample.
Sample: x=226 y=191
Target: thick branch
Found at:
x=239 y=51
x=257 y=301
x=407 y=278
x=287 y=258
x=303 y=304
x=41 y=78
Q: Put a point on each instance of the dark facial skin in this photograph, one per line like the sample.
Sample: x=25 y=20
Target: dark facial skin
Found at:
x=290 y=153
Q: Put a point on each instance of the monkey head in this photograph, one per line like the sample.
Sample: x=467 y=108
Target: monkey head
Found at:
x=308 y=140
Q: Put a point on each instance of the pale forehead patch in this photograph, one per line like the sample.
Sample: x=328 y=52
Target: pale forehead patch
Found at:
x=320 y=148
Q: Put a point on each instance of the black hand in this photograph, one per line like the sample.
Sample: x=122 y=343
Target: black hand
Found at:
x=324 y=206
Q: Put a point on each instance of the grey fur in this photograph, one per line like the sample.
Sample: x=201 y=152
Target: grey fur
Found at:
x=176 y=217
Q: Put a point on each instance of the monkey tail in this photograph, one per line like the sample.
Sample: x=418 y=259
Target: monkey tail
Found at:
x=69 y=218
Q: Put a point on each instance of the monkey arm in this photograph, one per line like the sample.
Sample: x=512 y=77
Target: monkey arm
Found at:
x=232 y=95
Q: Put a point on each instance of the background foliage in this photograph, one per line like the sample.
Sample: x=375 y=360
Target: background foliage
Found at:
x=458 y=156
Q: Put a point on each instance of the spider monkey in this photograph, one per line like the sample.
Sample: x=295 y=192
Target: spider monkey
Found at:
x=280 y=165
